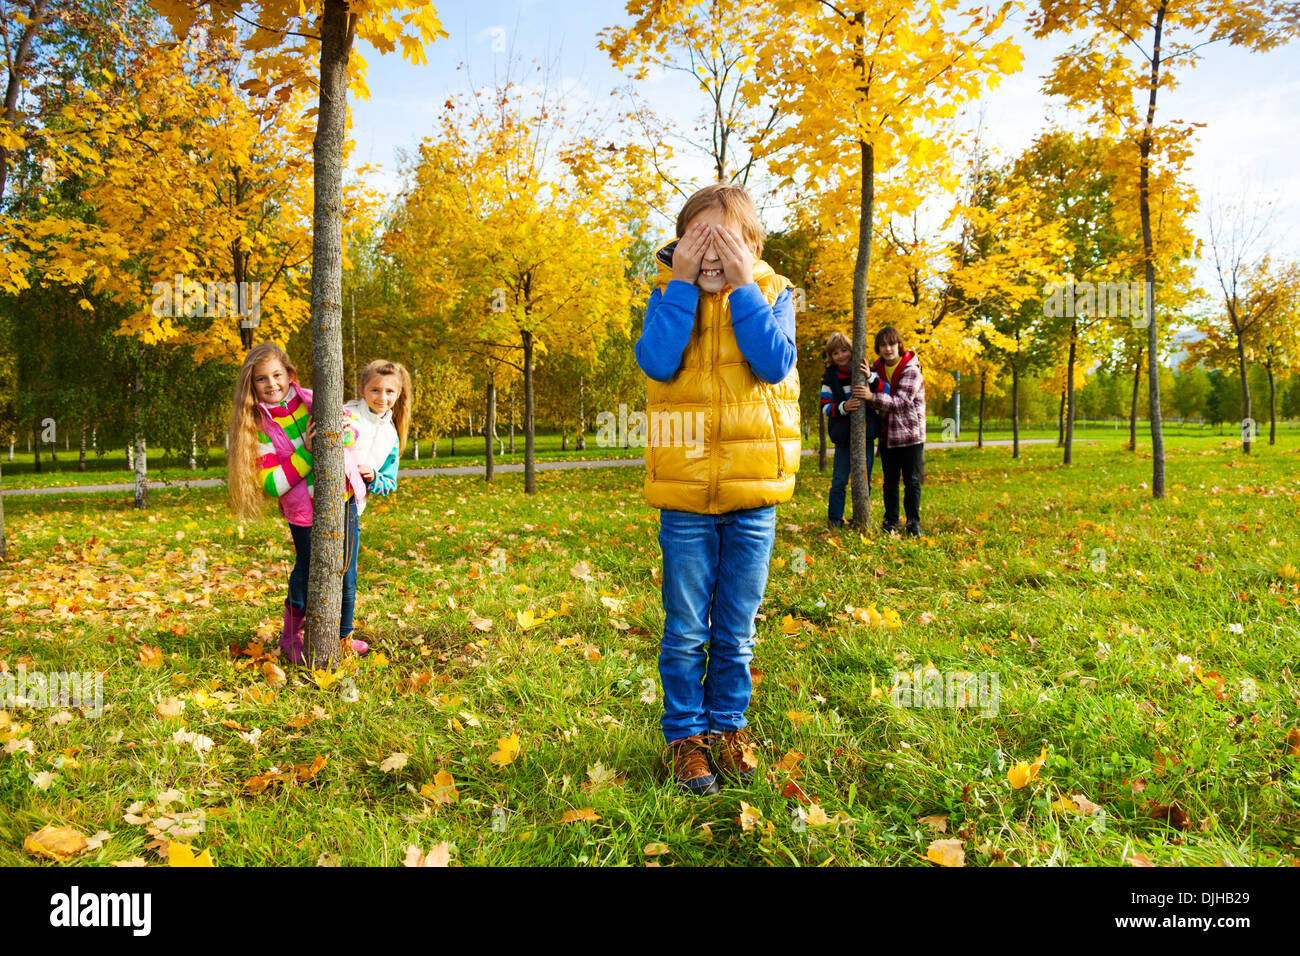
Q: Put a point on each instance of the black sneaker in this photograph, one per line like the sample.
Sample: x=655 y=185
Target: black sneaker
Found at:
x=914 y=529
x=889 y=527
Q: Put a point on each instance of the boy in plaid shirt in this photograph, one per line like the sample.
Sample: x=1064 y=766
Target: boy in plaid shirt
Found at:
x=902 y=439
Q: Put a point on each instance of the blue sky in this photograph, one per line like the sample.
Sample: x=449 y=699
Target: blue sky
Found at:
x=1247 y=101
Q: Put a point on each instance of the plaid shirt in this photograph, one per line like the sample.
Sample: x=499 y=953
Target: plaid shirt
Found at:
x=903 y=406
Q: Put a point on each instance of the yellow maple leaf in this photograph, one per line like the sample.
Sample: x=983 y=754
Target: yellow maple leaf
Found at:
x=1023 y=772
x=150 y=656
x=585 y=815
x=789 y=625
x=946 y=853
x=507 y=750
x=441 y=790
x=178 y=854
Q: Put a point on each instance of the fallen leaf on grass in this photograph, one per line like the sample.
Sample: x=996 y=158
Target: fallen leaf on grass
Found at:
x=59 y=719
x=479 y=623
x=655 y=849
x=304 y=772
x=749 y=816
x=1172 y=814
x=581 y=571
x=180 y=854
x=1078 y=803
x=133 y=862
x=98 y=840
x=150 y=656
x=55 y=843
x=1138 y=859
x=442 y=790
x=940 y=823
x=394 y=762
x=793 y=791
x=507 y=750
x=439 y=855
x=798 y=717
x=273 y=673
x=170 y=708
x=946 y=853
x=1293 y=742
x=44 y=780
x=1023 y=772
x=817 y=816
x=598 y=775
x=585 y=815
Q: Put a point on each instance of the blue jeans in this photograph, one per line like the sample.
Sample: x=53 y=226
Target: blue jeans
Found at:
x=840 y=480
x=715 y=572
x=302 y=565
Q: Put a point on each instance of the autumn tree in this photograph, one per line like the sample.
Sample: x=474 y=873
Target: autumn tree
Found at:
x=515 y=238
x=298 y=42
x=1130 y=50
x=867 y=83
x=1255 y=294
x=714 y=43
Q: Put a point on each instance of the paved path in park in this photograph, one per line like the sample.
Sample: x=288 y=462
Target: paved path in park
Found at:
x=455 y=470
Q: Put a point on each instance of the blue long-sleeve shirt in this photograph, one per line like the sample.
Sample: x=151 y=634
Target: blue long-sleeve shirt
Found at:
x=764 y=333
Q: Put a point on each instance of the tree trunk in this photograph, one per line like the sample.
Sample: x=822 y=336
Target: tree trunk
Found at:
x=564 y=435
x=1015 y=402
x=1133 y=408
x=1149 y=263
x=489 y=426
x=194 y=449
x=512 y=421
x=1272 y=404
x=36 y=442
x=81 y=456
x=530 y=465
x=581 y=444
x=324 y=582
x=860 y=490
x=980 y=440
x=1069 y=391
x=1060 y=422
x=140 y=460
x=1247 y=423
x=821 y=442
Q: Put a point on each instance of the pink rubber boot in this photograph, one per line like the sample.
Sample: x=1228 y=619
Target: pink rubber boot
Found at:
x=291 y=640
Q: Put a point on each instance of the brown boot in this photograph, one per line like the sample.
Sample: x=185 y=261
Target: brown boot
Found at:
x=733 y=755
x=688 y=758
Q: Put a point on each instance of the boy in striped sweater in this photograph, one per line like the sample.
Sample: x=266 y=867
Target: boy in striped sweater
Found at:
x=838 y=406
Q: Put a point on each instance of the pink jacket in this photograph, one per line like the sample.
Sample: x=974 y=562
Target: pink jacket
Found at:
x=296 y=502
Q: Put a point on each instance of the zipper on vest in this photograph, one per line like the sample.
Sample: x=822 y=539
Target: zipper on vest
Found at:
x=717 y=304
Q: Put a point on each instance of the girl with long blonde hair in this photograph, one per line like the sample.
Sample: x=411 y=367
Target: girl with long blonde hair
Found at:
x=270 y=439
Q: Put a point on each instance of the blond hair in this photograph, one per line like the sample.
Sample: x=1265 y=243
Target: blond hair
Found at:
x=247 y=498
x=736 y=204
x=402 y=407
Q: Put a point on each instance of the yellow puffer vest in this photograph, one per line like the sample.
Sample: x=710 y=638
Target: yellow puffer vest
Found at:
x=720 y=439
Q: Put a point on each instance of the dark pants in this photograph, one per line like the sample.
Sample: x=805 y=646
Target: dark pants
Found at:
x=302 y=564
x=907 y=462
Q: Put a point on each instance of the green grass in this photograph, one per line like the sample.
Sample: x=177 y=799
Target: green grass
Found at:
x=1072 y=584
